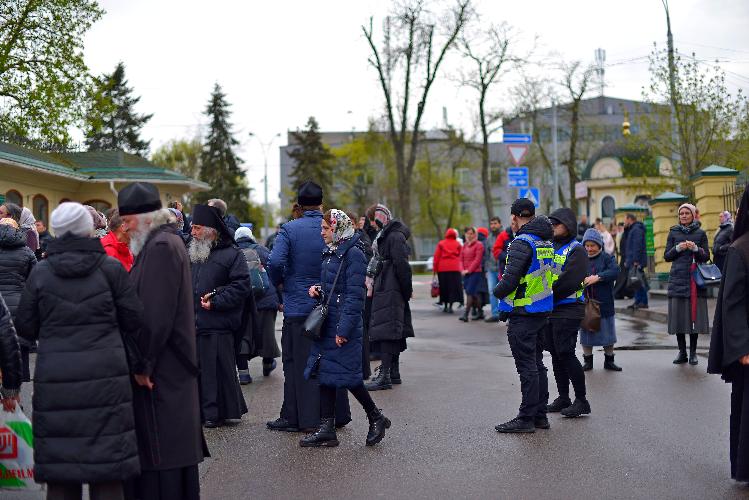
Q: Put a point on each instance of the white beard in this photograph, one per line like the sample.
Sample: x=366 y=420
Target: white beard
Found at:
x=137 y=240
x=199 y=250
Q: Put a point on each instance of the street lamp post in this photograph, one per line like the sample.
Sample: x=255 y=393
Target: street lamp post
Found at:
x=265 y=146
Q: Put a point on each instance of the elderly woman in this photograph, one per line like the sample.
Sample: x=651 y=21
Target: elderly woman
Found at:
x=25 y=220
x=602 y=273
x=686 y=246
x=335 y=359
x=472 y=258
x=722 y=239
x=447 y=268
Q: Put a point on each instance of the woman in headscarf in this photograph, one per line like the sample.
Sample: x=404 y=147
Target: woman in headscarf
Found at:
x=335 y=359
x=729 y=344
x=723 y=238
x=26 y=223
x=100 y=222
x=686 y=247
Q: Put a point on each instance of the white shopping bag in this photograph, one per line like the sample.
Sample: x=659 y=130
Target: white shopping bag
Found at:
x=16 y=451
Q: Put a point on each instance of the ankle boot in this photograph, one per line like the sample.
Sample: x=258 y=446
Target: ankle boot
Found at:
x=377 y=425
x=681 y=358
x=609 y=364
x=444 y=308
x=587 y=362
x=464 y=317
x=475 y=314
x=449 y=308
x=381 y=381
x=324 y=435
x=693 y=357
x=395 y=371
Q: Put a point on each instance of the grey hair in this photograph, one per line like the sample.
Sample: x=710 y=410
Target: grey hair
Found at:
x=157 y=218
x=220 y=204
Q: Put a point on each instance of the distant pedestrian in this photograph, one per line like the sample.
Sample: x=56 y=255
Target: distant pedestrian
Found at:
x=599 y=285
x=81 y=306
x=44 y=239
x=186 y=225
x=16 y=263
x=499 y=251
x=100 y=222
x=636 y=257
x=231 y=221
x=491 y=265
x=526 y=301
x=25 y=220
x=686 y=246
x=116 y=242
x=447 y=267
x=10 y=361
x=471 y=258
x=582 y=226
x=609 y=245
x=482 y=234
x=723 y=239
x=272 y=239
x=729 y=343
x=335 y=359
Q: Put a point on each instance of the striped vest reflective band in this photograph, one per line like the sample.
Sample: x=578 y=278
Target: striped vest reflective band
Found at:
x=560 y=258
x=534 y=290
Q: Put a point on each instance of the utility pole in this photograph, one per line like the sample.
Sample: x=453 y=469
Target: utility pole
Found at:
x=554 y=155
x=673 y=98
x=266 y=146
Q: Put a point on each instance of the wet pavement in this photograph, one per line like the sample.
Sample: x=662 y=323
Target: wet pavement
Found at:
x=656 y=430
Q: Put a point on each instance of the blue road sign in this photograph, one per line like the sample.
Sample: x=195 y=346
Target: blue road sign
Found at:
x=517 y=177
x=532 y=194
x=516 y=138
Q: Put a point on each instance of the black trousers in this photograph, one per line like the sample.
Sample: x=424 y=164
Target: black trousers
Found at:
x=560 y=340
x=301 y=397
x=108 y=490
x=328 y=399
x=526 y=337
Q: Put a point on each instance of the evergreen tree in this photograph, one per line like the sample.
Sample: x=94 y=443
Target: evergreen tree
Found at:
x=314 y=160
x=219 y=164
x=111 y=121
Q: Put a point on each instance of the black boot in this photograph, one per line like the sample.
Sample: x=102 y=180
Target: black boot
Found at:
x=449 y=308
x=587 y=362
x=464 y=317
x=381 y=381
x=681 y=358
x=395 y=370
x=324 y=435
x=609 y=364
x=444 y=308
x=693 y=349
x=377 y=425
x=516 y=425
x=579 y=407
x=559 y=404
x=480 y=315
x=475 y=314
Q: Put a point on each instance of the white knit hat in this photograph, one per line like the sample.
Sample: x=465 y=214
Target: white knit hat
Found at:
x=71 y=217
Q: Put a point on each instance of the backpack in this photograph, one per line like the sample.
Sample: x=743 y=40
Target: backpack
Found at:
x=258 y=275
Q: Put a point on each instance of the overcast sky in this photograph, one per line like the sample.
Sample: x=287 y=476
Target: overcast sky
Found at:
x=282 y=61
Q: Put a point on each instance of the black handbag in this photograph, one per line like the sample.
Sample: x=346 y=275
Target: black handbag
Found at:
x=316 y=318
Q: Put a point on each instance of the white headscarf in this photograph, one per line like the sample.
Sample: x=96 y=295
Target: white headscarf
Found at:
x=342 y=226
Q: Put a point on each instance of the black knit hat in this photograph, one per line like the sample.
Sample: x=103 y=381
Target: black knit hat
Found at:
x=309 y=194
x=523 y=207
x=138 y=198
x=204 y=215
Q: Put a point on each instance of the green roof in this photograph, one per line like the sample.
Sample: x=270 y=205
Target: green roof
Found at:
x=716 y=170
x=668 y=196
x=96 y=166
x=631 y=207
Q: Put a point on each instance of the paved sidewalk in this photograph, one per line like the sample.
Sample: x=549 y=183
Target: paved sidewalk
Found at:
x=657 y=310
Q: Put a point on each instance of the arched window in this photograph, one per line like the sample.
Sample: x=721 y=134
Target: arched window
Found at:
x=99 y=205
x=41 y=208
x=14 y=196
x=608 y=206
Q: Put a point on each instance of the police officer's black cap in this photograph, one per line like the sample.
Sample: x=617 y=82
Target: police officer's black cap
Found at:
x=523 y=207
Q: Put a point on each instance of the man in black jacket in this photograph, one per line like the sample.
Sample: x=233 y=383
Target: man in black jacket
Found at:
x=636 y=256
x=571 y=267
x=525 y=297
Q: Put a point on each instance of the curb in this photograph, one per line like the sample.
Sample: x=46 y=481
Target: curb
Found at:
x=647 y=314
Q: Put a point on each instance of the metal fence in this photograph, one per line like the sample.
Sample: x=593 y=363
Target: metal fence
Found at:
x=732 y=196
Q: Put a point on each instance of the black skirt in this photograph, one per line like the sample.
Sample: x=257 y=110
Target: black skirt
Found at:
x=267 y=320
x=220 y=395
x=389 y=346
x=451 y=287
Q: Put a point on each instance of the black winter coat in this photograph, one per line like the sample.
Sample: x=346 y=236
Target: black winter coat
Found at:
x=680 y=277
x=16 y=262
x=519 y=258
x=80 y=304
x=636 y=250
x=226 y=272
x=10 y=353
x=391 y=314
x=721 y=243
x=575 y=268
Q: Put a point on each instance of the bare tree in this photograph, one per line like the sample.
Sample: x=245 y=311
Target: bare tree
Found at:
x=413 y=50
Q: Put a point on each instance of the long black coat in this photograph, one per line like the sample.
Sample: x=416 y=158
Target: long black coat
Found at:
x=10 y=353
x=80 y=304
x=16 y=262
x=391 y=314
x=168 y=418
x=680 y=276
x=721 y=243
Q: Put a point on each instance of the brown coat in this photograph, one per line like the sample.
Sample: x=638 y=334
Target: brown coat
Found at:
x=168 y=418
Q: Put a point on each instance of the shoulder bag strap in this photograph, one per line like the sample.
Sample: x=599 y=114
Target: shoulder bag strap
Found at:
x=335 y=280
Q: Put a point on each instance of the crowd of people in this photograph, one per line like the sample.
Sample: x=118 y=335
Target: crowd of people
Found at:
x=175 y=307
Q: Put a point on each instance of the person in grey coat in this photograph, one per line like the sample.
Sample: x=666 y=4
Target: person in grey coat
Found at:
x=723 y=239
x=686 y=247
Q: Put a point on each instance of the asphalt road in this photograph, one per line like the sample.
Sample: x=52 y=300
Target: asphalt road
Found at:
x=656 y=430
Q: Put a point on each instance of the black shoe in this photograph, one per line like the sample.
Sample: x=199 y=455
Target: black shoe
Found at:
x=492 y=319
x=642 y=306
x=380 y=382
x=516 y=425
x=212 y=424
x=450 y=309
x=244 y=377
x=541 y=423
x=609 y=364
x=681 y=358
x=475 y=315
x=281 y=424
x=558 y=405
x=269 y=367
x=632 y=306
x=579 y=407
x=464 y=318
x=587 y=362
x=324 y=436
x=341 y=425
x=377 y=425
x=480 y=315
x=693 y=357
x=395 y=373
x=444 y=309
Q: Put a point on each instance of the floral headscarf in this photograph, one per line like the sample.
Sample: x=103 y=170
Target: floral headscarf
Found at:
x=342 y=226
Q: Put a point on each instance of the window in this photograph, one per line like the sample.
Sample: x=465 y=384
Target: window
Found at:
x=41 y=209
x=14 y=196
x=608 y=206
x=99 y=205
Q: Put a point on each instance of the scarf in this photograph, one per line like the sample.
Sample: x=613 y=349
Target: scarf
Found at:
x=689 y=228
x=342 y=226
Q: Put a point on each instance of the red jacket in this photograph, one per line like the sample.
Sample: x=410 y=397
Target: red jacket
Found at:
x=500 y=243
x=118 y=250
x=472 y=257
x=447 y=254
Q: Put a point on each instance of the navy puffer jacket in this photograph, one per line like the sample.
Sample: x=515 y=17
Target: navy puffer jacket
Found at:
x=341 y=366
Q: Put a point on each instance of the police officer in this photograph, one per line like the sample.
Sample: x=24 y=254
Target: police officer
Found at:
x=570 y=269
x=526 y=301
